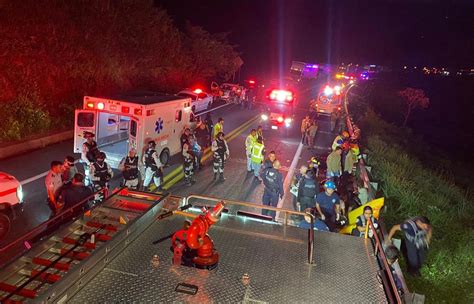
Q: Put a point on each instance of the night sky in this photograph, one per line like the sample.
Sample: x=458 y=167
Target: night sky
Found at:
x=271 y=33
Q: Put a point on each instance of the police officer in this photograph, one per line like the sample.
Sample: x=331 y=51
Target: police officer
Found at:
x=273 y=182
x=100 y=172
x=89 y=153
x=418 y=233
x=54 y=183
x=189 y=159
x=307 y=191
x=153 y=166
x=220 y=152
x=130 y=167
x=249 y=141
x=258 y=150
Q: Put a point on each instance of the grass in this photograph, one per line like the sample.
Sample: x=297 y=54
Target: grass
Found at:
x=412 y=187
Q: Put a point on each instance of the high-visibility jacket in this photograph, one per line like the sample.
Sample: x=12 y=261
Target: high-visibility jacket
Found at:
x=335 y=143
x=249 y=142
x=257 y=153
x=217 y=129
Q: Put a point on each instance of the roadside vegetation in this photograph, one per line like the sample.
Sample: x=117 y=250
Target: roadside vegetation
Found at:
x=55 y=52
x=417 y=180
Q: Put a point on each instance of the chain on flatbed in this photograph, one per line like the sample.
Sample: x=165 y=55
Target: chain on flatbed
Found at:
x=48 y=269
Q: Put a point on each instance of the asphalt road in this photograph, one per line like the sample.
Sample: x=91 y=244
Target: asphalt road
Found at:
x=239 y=185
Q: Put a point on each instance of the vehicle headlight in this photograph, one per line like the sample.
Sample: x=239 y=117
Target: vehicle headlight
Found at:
x=264 y=117
x=19 y=193
x=287 y=121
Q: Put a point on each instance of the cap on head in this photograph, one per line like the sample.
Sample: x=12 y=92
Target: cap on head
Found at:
x=152 y=143
x=330 y=185
x=345 y=134
x=88 y=134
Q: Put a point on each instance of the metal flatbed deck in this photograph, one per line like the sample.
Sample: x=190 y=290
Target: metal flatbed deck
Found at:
x=274 y=257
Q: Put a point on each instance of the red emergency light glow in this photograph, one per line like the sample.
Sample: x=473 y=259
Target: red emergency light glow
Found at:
x=137 y=112
x=100 y=106
x=90 y=105
x=125 y=109
x=197 y=91
x=280 y=119
x=281 y=95
x=252 y=81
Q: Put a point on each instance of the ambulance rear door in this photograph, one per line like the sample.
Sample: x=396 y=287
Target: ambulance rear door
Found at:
x=85 y=121
x=134 y=136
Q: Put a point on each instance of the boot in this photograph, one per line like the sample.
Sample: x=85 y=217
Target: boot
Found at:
x=215 y=177
x=221 y=177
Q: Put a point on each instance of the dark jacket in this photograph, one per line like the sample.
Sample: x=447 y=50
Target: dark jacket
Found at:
x=273 y=180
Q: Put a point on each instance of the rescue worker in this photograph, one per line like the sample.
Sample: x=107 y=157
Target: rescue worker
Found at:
x=340 y=139
x=418 y=233
x=100 y=172
x=268 y=163
x=307 y=191
x=220 y=152
x=273 y=182
x=54 y=183
x=68 y=170
x=295 y=183
x=333 y=118
x=184 y=137
x=313 y=165
x=197 y=152
x=89 y=154
x=328 y=205
x=304 y=128
x=219 y=127
x=202 y=135
x=312 y=130
x=260 y=132
x=153 y=167
x=258 y=151
x=333 y=163
x=349 y=160
x=76 y=193
x=130 y=167
x=249 y=142
x=362 y=222
x=189 y=159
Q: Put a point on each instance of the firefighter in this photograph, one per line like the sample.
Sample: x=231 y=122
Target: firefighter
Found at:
x=218 y=127
x=307 y=191
x=130 y=167
x=249 y=142
x=153 y=167
x=220 y=152
x=273 y=182
x=100 y=172
x=340 y=139
x=313 y=165
x=258 y=151
x=89 y=154
x=328 y=205
x=189 y=159
x=418 y=233
x=333 y=162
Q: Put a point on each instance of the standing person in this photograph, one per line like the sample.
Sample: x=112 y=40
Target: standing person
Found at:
x=340 y=139
x=188 y=165
x=221 y=153
x=260 y=133
x=313 y=165
x=333 y=162
x=130 y=167
x=273 y=182
x=54 y=183
x=312 y=130
x=349 y=160
x=295 y=183
x=68 y=170
x=304 y=127
x=418 y=233
x=307 y=191
x=268 y=163
x=219 y=127
x=185 y=137
x=202 y=135
x=101 y=173
x=89 y=154
x=328 y=205
x=249 y=142
x=362 y=222
x=341 y=121
x=153 y=167
x=197 y=152
x=210 y=127
x=258 y=150
x=334 y=117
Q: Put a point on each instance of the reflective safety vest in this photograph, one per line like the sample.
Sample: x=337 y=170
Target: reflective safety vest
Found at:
x=217 y=129
x=92 y=151
x=132 y=168
x=249 y=142
x=257 y=153
x=149 y=160
x=335 y=143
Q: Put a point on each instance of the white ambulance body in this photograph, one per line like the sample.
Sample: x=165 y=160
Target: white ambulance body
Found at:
x=131 y=121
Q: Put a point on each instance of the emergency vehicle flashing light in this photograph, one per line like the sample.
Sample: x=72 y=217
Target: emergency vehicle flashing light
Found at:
x=328 y=91
x=197 y=91
x=281 y=95
x=100 y=106
x=264 y=117
x=280 y=119
x=252 y=81
x=287 y=121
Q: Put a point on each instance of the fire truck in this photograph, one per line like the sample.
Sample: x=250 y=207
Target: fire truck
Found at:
x=130 y=121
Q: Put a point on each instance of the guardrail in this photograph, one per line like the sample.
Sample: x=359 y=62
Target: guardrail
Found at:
x=364 y=175
x=252 y=205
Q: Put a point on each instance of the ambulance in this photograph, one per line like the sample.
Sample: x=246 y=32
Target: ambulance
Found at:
x=132 y=120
